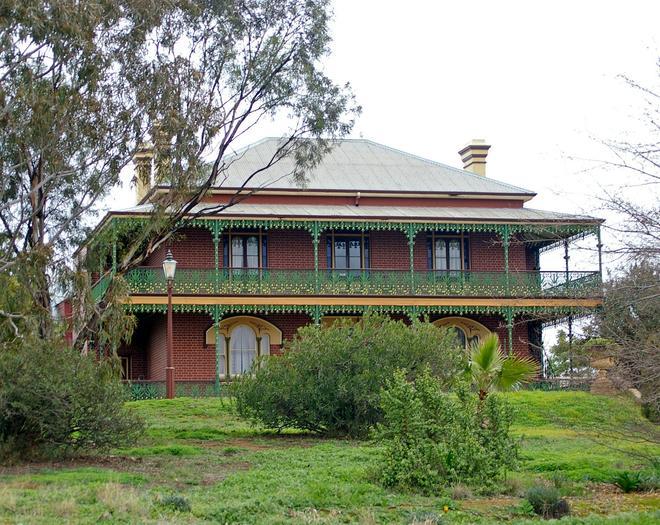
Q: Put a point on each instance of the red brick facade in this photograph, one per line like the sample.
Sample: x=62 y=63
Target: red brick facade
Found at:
x=194 y=360
x=292 y=249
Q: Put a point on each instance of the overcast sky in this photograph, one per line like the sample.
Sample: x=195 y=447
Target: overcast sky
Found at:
x=537 y=80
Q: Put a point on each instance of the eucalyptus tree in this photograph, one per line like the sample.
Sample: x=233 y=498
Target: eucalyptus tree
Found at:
x=85 y=84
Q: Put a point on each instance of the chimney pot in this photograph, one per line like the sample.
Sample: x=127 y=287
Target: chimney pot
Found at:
x=474 y=156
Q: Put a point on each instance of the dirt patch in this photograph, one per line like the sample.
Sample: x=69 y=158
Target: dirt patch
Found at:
x=112 y=462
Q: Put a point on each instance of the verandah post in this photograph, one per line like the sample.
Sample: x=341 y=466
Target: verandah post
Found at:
x=316 y=233
x=216 y=255
x=218 y=348
x=411 y=249
x=506 y=235
x=114 y=247
x=509 y=329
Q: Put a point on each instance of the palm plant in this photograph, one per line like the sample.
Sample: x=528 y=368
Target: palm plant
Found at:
x=492 y=371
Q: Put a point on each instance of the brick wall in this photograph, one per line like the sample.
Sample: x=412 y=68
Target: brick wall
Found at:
x=192 y=248
x=292 y=249
x=195 y=361
x=388 y=250
x=487 y=253
x=156 y=350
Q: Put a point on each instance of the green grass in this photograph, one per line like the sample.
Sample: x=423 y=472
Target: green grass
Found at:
x=230 y=472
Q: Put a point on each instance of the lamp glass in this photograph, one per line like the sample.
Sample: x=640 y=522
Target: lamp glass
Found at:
x=169 y=267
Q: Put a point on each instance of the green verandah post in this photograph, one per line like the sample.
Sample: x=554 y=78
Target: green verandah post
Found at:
x=218 y=348
x=509 y=329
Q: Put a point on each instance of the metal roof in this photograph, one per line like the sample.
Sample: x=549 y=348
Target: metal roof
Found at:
x=357 y=165
x=381 y=212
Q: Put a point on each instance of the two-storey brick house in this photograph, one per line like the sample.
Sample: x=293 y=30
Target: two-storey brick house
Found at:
x=373 y=229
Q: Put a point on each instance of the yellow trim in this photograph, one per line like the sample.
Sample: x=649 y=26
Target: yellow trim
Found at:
x=360 y=301
x=260 y=327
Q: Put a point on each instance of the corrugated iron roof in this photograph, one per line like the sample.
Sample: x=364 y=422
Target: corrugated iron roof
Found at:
x=382 y=212
x=358 y=165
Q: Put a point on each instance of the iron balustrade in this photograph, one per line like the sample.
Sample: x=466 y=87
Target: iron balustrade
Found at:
x=368 y=282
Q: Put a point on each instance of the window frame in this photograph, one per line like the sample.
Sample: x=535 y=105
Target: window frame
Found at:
x=364 y=250
x=262 y=250
x=464 y=243
x=126 y=371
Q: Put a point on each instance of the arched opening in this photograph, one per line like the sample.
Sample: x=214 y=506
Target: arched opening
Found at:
x=468 y=331
x=242 y=340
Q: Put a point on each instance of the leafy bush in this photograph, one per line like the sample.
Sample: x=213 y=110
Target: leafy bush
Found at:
x=175 y=502
x=55 y=401
x=547 y=502
x=434 y=439
x=329 y=379
x=628 y=481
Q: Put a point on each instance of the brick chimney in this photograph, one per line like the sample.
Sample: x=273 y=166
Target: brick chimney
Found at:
x=143 y=166
x=474 y=156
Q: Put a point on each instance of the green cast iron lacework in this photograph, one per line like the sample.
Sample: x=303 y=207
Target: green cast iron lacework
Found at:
x=216 y=312
x=142 y=390
x=217 y=225
x=146 y=281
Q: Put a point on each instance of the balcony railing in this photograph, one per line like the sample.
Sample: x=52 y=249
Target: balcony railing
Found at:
x=275 y=282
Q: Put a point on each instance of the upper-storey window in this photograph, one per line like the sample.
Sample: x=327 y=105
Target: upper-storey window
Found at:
x=448 y=253
x=245 y=250
x=347 y=251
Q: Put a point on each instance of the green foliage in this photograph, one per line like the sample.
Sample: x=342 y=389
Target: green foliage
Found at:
x=434 y=439
x=563 y=356
x=630 y=317
x=628 y=481
x=547 y=502
x=329 y=379
x=175 y=502
x=55 y=401
x=492 y=371
x=295 y=477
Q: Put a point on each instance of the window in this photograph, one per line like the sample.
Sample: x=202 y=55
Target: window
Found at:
x=448 y=253
x=461 y=339
x=243 y=251
x=125 y=367
x=348 y=252
x=243 y=350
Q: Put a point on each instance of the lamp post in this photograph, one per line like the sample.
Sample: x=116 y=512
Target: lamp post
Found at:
x=169 y=268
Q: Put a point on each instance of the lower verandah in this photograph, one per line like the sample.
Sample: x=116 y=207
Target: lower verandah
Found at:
x=195 y=350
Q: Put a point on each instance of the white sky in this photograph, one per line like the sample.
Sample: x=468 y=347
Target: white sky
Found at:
x=537 y=80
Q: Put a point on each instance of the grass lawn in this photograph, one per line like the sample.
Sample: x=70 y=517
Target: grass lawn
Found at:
x=229 y=472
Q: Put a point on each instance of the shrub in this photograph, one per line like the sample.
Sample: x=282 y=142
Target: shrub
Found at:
x=628 y=481
x=329 y=379
x=432 y=439
x=175 y=502
x=547 y=502
x=55 y=401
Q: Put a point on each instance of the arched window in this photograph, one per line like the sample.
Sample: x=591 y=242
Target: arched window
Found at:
x=468 y=331
x=243 y=343
x=461 y=339
x=244 y=333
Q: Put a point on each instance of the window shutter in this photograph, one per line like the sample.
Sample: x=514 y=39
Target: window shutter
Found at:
x=429 y=252
x=466 y=253
x=328 y=251
x=264 y=251
x=367 y=262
